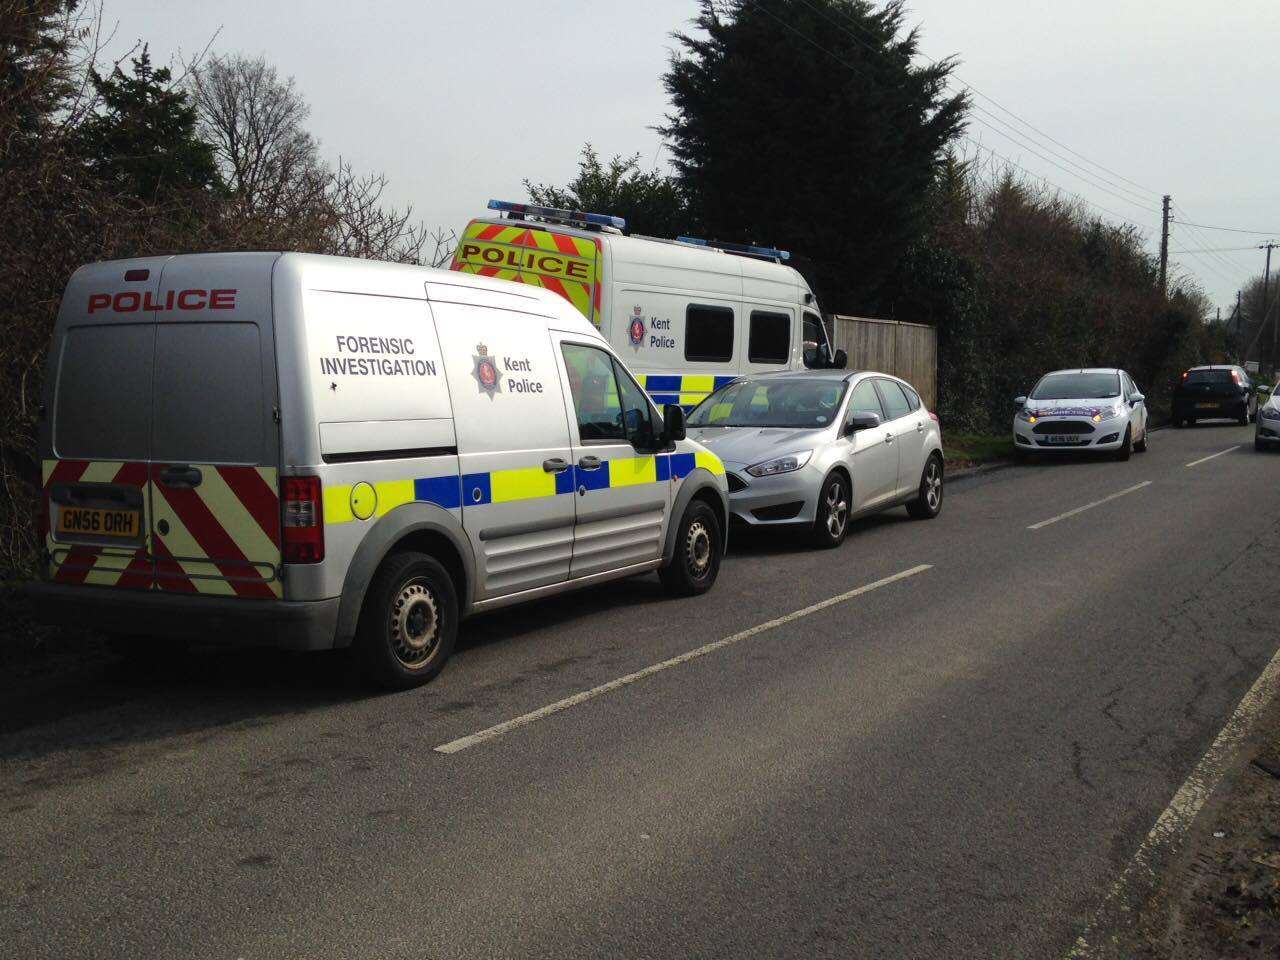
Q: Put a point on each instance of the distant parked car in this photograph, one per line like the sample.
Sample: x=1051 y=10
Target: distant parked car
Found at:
x=815 y=449
x=1100 y=410
x=1267 y=432
x=1214 y=392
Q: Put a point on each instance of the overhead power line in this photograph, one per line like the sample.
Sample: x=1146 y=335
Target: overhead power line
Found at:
x=1256 y=233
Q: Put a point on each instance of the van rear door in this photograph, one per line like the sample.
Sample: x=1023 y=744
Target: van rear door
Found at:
x=97 y=437
x=215 y=442
x=535 y=254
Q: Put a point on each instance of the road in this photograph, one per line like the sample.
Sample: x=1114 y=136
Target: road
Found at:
x=955 y=763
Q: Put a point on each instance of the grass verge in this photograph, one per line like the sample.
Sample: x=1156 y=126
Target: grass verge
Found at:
x=972 y=449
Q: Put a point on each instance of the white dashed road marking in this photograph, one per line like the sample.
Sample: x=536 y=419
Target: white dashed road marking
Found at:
x=454 y=746
x=1212 y=455
x=1089 y=506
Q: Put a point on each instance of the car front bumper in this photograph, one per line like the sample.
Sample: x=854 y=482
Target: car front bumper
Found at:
x=1107 y=436
x=782 y=500
x=1268 y=431
x=285 y=624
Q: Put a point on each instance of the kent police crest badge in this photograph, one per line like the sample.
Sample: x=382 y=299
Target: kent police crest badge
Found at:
x=635 y=331
x=486 y=371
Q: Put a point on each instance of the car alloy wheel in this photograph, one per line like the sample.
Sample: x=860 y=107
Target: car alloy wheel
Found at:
x=933 y=485
x=837 y=509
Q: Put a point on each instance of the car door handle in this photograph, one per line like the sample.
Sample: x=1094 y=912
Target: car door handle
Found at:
x=919 y=428
x=888 y=438
x=555 y=465
x=181 y=475
x=590 y=463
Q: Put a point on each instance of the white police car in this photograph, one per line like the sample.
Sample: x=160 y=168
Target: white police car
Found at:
x=1098 y=410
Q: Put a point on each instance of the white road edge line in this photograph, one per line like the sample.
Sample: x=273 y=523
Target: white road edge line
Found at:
x=454 y=746
x=1089 y=506
x=1176 y=820
x=1212 y=455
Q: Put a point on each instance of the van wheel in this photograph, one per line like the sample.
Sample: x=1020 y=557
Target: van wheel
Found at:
x=928 y=501
x=699 y=545
x=832 y=522
x=409 y=622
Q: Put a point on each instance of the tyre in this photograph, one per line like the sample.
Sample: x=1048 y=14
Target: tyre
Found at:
x=1244 y=417
x=832 y=522
x=1126 y=447
x=409 y=622
x=1141 y=445
x=699 y=546
x=928 y=501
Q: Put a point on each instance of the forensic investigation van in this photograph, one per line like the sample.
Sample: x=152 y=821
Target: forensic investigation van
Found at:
x=327 y=452
x=687 y=315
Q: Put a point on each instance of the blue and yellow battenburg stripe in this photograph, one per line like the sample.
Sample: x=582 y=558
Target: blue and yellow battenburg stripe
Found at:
x=527 y=483
x=686 y=390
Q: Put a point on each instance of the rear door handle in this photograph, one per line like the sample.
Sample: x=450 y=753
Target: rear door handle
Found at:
x=919 y=428
x=555 y=465
x=888 y=438
x=590 y=463
x=180 y=475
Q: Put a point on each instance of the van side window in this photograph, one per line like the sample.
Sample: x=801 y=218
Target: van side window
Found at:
x=895 y=401
x=639 y=419
x=770 y=340
x=595 y=393
x=815 y=341
x=708 y=334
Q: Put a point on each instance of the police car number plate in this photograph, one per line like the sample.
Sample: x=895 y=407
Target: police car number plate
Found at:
x=99 y=522
x=1062 y=438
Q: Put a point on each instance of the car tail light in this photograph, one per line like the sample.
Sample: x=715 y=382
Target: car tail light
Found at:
x=1235 y=375
x=1185 y=374
x=934 y=417
x=302 y=519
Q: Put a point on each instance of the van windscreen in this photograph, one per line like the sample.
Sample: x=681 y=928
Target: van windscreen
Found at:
x=102 y=408
x=209 y=386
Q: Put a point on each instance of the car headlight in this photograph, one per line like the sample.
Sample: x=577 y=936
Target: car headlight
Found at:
x=788 y=464
x=1106 y=413
x=1029 y=416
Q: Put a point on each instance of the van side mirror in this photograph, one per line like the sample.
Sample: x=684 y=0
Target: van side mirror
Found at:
x=840 y=360
x=673 y=422
x=1019 y=401
x=862 y=421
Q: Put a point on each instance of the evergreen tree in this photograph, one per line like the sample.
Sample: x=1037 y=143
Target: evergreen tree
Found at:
x=143 y=141
x=650 y=202
x=805 y=124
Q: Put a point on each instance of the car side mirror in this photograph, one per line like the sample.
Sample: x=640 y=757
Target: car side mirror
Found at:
x=863 y=421
x=840 y=360
x=673 y=428
x=1019 y=401
x=1136 y=399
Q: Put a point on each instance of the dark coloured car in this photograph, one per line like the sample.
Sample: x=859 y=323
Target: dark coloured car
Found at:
x=1212 y=393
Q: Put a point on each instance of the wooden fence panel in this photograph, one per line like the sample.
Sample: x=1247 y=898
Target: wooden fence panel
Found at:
x=906 y=350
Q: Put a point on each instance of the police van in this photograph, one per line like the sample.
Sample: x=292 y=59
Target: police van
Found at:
x=329 y=452
x=687 y=315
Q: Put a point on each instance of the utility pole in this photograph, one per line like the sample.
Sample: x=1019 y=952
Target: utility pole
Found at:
x=1164 y=246
x=1266 y=291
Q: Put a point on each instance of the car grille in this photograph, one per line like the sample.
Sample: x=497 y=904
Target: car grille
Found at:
x=736 y=483
x=1063 y=426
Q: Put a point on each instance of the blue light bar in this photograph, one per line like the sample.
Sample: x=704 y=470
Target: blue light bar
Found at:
x=769 y=252
x=563 y=216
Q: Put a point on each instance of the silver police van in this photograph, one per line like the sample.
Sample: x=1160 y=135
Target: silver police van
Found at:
x=325 y=452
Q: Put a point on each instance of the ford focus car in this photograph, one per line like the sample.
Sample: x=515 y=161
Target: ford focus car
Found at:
x=815 y=449
x=1266 y=433
x=1096 y=410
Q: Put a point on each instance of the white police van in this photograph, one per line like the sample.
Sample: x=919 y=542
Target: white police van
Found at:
x=330 y=452
x=687 y=315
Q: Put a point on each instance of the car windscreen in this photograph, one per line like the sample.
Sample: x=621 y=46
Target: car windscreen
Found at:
x=1208 y=376
x=797 y=403
x=1077 y=386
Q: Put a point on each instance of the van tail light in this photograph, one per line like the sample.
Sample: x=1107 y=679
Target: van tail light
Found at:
x=302 y=519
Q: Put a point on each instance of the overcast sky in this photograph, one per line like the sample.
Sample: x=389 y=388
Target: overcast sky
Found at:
x=458 y=103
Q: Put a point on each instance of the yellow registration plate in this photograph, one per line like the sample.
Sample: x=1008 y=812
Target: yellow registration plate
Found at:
x=100 y=522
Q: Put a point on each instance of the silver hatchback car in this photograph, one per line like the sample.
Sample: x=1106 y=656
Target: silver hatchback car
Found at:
x=817 y=448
